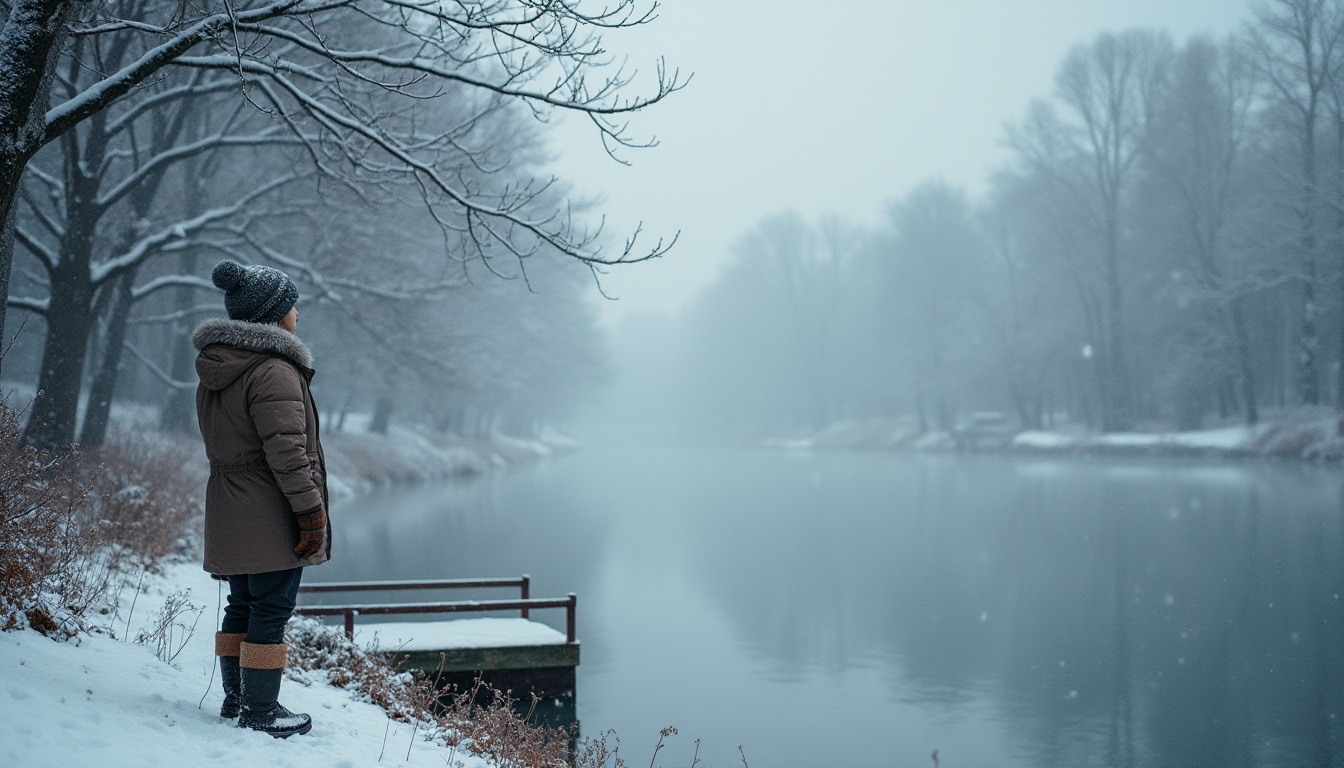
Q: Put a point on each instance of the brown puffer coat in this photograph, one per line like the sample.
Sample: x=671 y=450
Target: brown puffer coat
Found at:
x=260 y=426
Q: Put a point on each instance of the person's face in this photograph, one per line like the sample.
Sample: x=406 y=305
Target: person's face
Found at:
x=290 y=322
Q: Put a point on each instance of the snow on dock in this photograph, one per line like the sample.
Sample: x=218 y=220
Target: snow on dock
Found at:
x=456 y=634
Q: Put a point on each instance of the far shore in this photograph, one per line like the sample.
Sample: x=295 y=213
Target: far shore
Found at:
x=1310 y=434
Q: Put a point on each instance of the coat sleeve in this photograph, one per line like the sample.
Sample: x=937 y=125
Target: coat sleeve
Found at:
x=275 y=402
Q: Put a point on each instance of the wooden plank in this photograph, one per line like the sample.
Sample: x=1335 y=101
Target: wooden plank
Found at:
x=485 y=659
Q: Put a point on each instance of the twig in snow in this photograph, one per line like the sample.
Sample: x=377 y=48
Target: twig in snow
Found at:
x=219 y=598
x=663 y=734
x=131 y=613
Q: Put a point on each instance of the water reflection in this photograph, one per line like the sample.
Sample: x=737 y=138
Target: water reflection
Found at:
x=865 y=609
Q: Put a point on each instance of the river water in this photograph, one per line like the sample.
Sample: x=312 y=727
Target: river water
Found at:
x=865 y=609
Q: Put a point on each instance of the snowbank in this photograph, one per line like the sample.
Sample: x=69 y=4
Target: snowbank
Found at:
x=1227 y=440
x=113 y=702
x=1306 y=433
x=359 y=461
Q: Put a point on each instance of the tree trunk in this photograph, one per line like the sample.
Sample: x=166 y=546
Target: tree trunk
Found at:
x=382 y=415
x=70 y=313
x=179 y=410
x=1308 y=378
x=30 y=42
x=6 y=259
x=1116 y=407
x=69 y=324
x=1339 y=251
x=345 y=410
x=1244 y=363
x=98 y=411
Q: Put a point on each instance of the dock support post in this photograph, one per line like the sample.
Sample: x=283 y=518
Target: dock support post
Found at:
x=569 y=617
x=527 y=592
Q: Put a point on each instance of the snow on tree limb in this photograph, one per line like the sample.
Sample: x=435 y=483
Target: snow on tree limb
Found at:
x=171 y=281
x=185 y=151
x=26 y=302
x=98 y=96
x=480 y=216
x=156 y=370
x=148 y=245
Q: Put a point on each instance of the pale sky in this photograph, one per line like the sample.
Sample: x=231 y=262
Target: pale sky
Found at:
x=827 y=112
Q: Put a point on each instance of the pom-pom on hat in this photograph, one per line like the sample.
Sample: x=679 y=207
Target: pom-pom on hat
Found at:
x=256 y=294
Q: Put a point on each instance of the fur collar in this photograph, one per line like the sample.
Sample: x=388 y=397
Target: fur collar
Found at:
x=252 y=336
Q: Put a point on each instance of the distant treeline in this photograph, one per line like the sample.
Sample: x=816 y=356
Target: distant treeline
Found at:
x=1165 y=243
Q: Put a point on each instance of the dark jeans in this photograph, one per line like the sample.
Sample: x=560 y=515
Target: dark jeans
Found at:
x=260 y=604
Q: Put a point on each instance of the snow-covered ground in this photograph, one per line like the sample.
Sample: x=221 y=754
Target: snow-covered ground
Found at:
x=1224 y=439
x=1305 y=433
x=100 y=701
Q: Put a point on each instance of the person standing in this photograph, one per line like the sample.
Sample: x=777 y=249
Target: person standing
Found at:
x=266 y=499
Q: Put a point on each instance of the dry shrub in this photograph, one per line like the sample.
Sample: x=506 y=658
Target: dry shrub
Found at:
x=315 y=647
x=601 y=751
x=493 y=730
x=72 y=525
x=54 y=568
x=168 y=630
x=147 y=494
x=496 y=732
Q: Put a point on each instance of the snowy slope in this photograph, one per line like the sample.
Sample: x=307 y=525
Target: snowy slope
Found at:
x=112 y=703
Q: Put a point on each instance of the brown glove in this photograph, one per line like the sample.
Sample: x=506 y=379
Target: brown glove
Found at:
x=312 y=533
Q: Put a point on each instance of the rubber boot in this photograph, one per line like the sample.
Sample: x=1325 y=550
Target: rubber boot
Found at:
x=227 y=646
x=262 y=666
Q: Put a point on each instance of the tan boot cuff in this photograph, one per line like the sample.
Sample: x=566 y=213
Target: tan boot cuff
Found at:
x=262 y=655
x=226 y=643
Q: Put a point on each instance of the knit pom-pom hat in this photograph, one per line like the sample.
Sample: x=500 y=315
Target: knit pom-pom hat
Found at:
x=256 y=294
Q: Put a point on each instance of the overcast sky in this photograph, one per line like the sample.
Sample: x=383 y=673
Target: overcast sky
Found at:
x=821 y=111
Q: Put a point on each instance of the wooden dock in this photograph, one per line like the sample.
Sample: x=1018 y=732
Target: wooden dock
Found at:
x=518 y=655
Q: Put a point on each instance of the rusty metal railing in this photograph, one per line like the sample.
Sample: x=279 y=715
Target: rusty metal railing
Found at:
x=524 y=604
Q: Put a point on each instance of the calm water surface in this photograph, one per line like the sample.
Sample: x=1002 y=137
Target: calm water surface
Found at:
x=860 y=610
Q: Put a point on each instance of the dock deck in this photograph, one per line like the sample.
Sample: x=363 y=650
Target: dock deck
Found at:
x=526 y=658
x=470 y=645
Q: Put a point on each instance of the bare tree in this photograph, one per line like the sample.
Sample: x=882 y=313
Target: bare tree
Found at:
x=1196 y=160
x=92 y=219
x=802 y=269
x=1106 y=94
x=288 y=58
x=1294 y=45
x=931 y=295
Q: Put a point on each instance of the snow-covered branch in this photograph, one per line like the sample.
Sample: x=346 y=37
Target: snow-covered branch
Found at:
x=170 y=281
x=27 y=302
x=150 y=244
x=98 y=96
x=156 y=370
x=483 y=218
x=168 y=157
x=41 y=252
x=173 y=317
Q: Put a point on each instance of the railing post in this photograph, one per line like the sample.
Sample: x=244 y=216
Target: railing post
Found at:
x=527 y=592
x=350 y=625
x=569 y=618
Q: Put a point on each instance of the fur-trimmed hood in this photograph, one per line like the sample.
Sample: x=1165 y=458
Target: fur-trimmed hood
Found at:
x=226 y=365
